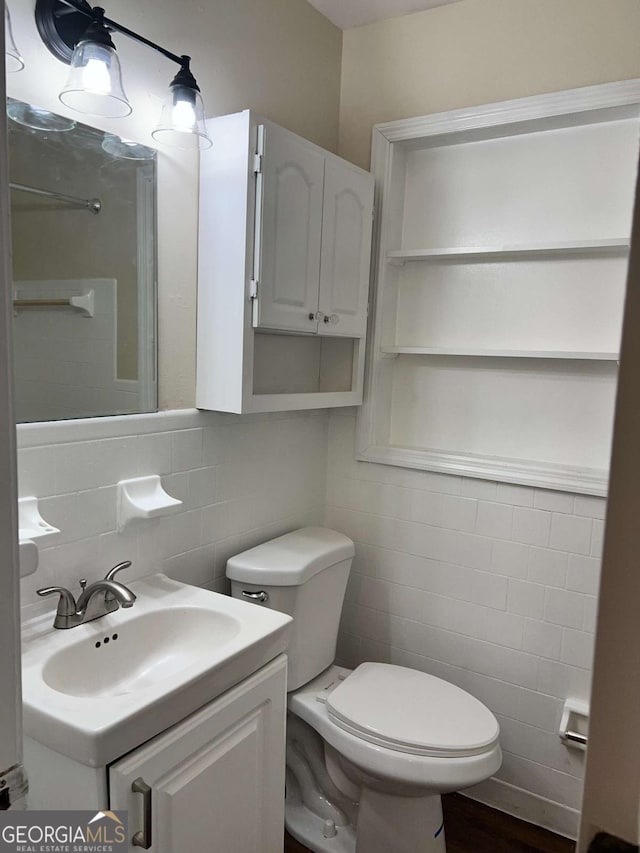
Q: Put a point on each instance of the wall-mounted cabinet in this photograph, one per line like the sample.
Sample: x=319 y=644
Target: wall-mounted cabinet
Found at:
x=503 y=245
x=283 y=283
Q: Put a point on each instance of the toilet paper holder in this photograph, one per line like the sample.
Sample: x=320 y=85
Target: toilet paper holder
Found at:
x=574 y=724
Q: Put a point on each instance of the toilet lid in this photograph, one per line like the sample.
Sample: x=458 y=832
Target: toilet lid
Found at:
x=412 y=712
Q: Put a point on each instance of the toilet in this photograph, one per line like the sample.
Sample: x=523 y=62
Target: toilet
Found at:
x=369 y=750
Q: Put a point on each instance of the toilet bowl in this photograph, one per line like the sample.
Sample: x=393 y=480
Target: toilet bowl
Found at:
x=369 y=751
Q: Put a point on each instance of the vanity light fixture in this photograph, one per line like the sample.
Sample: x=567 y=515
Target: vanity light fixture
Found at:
x=182 y=118
x=95 y=86
x=80 y=35
x=12 y=59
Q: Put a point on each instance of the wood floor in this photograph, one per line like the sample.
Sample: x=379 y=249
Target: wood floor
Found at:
x=473 y=828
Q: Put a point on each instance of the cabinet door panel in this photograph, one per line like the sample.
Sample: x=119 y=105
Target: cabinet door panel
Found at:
x=346 y=250
x=290 y=224
x=217 y=778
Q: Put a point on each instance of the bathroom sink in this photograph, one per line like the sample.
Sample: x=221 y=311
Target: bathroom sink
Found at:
x=96 y=691
x=150 y=649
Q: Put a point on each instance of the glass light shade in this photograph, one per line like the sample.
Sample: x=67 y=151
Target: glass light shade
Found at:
x=36 y=118
x=126 y=149
x=182 y=120
x=12 y=59
x=95 y=82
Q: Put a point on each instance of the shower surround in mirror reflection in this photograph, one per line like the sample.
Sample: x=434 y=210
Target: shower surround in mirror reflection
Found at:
x=83 y=225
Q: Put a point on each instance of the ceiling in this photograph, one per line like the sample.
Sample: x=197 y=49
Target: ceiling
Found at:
x=354 y=13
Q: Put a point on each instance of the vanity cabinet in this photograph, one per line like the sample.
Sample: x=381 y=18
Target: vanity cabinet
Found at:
x=216 y=779
x=283 y=281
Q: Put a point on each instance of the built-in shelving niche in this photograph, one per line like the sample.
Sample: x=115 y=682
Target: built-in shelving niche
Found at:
x=502 y=256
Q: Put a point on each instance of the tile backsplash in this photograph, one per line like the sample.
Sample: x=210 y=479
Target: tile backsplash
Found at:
x=241 y=480
x=489 y=585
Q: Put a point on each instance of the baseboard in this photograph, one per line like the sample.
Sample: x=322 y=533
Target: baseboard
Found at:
x=527 y=806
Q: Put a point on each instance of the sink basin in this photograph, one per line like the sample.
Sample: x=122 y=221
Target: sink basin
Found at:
x=150 y=649
x=98 y=690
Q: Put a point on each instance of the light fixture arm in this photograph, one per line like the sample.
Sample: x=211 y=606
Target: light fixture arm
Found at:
x=80 y=35
x=96 y=15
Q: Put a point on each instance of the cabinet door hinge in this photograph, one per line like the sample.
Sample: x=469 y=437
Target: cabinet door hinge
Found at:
x=257 y=164
x=253 y=289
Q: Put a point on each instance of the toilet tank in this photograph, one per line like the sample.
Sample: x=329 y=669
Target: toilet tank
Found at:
x=304 y=574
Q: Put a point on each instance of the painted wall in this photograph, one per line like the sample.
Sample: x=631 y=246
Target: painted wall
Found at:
x=476 y=52
x=281 y=58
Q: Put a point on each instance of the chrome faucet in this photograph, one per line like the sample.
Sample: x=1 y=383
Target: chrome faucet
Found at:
x=96 y=600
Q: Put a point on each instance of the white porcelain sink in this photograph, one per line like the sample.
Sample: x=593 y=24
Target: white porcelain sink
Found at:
x=96 y=691
x=150 y=649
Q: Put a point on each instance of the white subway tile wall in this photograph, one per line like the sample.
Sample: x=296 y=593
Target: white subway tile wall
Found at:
x=490 y=585
x=242 y=481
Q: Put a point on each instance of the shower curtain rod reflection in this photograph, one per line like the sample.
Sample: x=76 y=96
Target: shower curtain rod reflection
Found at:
x=92 y=204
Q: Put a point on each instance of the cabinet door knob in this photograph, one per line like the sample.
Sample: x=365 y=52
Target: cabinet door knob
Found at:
x=334 y=319
x=142 y=838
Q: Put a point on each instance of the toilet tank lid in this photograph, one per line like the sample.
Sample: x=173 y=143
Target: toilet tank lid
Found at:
x=291 y=559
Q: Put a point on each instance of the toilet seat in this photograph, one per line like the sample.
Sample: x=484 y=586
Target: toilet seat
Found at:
x=411 y=712
x=438 y=773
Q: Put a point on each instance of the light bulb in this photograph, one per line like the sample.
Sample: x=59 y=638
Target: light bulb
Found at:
x=184 y=116
x=94 y=85
x=182 y=122
x=96 y=78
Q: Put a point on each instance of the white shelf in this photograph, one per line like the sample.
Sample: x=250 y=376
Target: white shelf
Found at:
x=503 y=353
x=503 y=257
x=577 y=248
x=541 y=475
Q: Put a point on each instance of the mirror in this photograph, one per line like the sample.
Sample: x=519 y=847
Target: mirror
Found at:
x=83 y=208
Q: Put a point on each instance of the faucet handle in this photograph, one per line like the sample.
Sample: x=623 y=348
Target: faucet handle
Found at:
x=117 y=568
x=66 y=604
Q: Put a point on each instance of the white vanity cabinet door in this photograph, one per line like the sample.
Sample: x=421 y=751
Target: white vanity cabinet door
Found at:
x=217 y=778
x=346 y=250
x=288 y=231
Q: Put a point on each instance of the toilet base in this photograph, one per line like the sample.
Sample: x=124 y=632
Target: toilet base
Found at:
x=385 y=823
x=400 y=824
x=307 y=828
